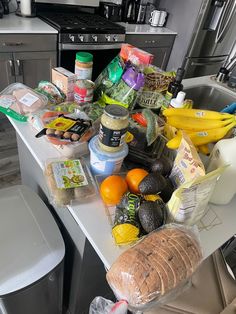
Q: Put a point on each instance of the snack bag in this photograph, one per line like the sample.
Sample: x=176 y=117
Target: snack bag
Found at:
x=187 y=164
x=126 y=226
x=156 y=83
x=135 y=55
x=189 y=202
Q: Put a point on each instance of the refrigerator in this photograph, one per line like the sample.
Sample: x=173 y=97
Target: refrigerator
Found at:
x=213 y=38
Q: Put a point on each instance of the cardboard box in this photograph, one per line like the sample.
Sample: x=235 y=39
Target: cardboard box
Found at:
x=65 y=81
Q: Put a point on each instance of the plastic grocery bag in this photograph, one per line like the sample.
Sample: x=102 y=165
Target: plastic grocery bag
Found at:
x=156 y=269
x=103 y=306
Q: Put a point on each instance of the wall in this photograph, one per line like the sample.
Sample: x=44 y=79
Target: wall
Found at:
x=182 y=18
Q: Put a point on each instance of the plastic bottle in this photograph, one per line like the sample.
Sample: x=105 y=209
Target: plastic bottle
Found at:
x=84 y=65
x=175 y=86
x=178 y=102
x=224 y=153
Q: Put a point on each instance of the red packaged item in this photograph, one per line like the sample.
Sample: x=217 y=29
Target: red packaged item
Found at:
x=135 y=55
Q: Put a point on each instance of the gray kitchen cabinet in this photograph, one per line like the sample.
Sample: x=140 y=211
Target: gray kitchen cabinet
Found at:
x=27 y=58
x=159 y=45
x=6 y=69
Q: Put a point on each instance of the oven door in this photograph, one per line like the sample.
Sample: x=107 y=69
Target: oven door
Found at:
x=102 y=55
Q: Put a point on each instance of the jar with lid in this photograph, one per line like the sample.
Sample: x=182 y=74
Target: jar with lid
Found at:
x=83 y=92
x=113 y=127
x=84 y=65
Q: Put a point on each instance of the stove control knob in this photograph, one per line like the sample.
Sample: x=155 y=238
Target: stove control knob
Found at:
x=108 y=37
x=95 y=38
x=115 y=38
x=72 y=37
x=81 y=38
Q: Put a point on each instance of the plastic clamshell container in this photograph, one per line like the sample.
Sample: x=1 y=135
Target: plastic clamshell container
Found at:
x=22 y=99
x=31 y=243
x=73 y=150
x=69 y=181
x=49 y=116
x=105 y=163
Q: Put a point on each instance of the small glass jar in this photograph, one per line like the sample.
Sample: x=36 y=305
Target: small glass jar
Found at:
x=83 y=92
x=84 y=65
x=113 y=127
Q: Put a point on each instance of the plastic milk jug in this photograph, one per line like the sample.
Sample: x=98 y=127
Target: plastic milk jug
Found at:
x=224 y=153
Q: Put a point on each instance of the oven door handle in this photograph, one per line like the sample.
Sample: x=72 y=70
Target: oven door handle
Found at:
x=89 y=46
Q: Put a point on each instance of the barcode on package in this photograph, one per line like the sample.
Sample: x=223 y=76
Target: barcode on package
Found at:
x=28 y=99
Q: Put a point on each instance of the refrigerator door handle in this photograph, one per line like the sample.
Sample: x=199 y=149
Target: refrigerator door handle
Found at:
x=222 y=30
x=194 y=63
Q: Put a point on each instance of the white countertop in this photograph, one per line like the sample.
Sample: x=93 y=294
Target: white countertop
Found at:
x=140 y=29
x=12 y=24
x=216 y=227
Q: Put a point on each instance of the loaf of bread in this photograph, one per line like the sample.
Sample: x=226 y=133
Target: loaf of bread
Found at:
x=154 y=266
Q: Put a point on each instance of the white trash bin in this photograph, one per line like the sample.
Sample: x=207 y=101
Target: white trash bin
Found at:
x=31 y=255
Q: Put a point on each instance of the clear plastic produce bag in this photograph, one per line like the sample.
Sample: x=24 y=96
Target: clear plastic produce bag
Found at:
x=103 y=306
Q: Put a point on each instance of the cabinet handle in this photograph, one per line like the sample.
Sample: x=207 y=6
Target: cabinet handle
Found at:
x=11 y=67
x=12 y=44
x=18 y=67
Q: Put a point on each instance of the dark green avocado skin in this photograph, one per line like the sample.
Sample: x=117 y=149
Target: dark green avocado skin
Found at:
x=153 y=183
x=166 y=193
x=151 y=216
x=163 y=165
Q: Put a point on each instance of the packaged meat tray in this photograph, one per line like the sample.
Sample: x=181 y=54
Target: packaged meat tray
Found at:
x=22 y=99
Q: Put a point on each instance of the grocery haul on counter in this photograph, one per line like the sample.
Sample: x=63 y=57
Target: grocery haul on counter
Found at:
x=132 y=139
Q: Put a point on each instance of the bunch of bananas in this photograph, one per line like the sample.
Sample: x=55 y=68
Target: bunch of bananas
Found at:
x=202 y=126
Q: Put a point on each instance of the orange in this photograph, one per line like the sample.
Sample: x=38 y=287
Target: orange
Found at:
x=134 y=177
x=112 y=189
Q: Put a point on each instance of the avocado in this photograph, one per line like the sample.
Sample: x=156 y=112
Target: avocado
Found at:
x=166 y=193
x=163 y=165
x=153 y=183
x=151 y=215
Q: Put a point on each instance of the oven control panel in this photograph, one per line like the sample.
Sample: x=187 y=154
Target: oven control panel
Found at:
x=91 y=38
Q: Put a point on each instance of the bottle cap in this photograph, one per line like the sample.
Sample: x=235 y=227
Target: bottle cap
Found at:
x=84 y=56
x=178 y=101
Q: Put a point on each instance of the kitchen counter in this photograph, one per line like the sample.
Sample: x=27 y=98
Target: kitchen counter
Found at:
x=215 y=228
x=140 y=29
x=12 y=24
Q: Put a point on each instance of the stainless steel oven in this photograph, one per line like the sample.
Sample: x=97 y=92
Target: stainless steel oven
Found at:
x=82 y=31
x=102 y=53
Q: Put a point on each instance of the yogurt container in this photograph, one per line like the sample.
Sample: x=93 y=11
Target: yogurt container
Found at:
x=103 y=162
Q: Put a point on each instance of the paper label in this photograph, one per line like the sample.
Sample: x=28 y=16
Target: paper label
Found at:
x=112 y=138
x=28 y=99
x=69 y=174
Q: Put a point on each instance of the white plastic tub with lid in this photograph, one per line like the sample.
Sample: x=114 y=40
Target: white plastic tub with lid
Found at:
x=31 y=255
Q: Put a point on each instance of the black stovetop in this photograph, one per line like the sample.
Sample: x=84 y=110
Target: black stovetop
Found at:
x=81 y=22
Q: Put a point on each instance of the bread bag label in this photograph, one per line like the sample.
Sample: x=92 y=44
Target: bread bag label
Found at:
x=28 y=99
x=189 y=202
x=69 y=174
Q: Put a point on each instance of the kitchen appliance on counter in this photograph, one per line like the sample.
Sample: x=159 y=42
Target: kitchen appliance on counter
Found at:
x=214 y=37
x=4 y=7
x=85 y=32
x=27 y=8
x=111 y=11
